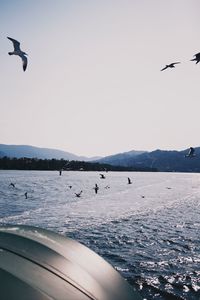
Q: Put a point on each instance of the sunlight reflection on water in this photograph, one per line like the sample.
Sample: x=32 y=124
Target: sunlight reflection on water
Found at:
x=149 y=231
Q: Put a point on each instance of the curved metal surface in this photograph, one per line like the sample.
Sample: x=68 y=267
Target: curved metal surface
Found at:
x=39 y=264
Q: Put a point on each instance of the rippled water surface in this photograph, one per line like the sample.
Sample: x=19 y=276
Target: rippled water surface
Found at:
x=149 y=230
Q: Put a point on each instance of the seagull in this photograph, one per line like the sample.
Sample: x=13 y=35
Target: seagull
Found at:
x=172 y=65
x=78 y=194
x=129 y=181
x=197 y=58
x=96 y=188
x=12 y=184
x=190 y=153
x=102 y=176
x=19 y=52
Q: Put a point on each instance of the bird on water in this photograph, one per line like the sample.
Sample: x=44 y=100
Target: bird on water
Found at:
x=129 y=181
x=172 y=65
x=19 y=52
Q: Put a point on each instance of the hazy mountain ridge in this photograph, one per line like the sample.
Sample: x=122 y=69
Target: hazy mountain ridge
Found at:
x=162 y=160
x=19 y=151
x=122 y=159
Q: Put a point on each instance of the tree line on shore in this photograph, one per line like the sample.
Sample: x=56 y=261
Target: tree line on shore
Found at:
x=24 y=163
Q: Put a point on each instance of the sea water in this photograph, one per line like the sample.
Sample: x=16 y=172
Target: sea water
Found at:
x=148 y=230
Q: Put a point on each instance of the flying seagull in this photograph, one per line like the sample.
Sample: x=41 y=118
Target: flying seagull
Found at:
x=102 y=176
x=190 y=153
x=172 y=65
x=17 y=51
x=96 y=188
x=78 y=194
x=12 y=184
x=107 y=187
x=197 y=58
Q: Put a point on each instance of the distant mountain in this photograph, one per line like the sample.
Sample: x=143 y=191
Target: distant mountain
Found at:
x=169 y=161
x=42 y=153
x=161 y=160
x=164 y=161
x=120 y=159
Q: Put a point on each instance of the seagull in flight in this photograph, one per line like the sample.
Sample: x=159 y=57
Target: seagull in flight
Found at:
x=19 y=52
x=78 y=194
x=197 y=58
x=172 y=65
x=12 y=184
x=190 y=153
x=102 y=176
x=96 y=188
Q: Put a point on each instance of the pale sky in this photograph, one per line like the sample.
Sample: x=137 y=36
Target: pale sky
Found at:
x=93 y=84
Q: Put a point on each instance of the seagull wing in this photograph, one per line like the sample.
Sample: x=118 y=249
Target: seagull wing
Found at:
x=24 y=61
x=172 y=64
x=164 y=68
x=197 y=55
x=16 y=44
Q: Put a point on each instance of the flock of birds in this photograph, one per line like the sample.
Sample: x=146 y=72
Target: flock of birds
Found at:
x=96 y=187
x=23 y=55
x=190 y=154
x=78 y=195
x=172 y=65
